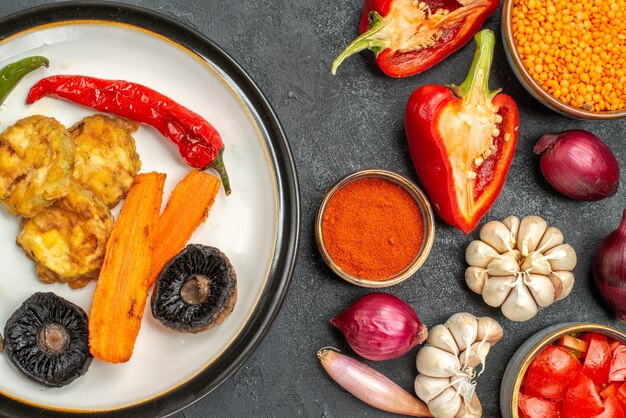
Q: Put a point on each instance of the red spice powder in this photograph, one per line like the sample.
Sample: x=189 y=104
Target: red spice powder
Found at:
x=372 y=228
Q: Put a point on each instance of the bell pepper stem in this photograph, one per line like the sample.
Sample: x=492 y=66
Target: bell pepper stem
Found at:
x=14 y=72
x=476 y=85
x=367 y=40
x=218 y=165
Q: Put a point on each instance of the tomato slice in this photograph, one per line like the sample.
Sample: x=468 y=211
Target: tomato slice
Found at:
x=610 y=390
x=598 y=359
x=582 y=399
x=612 y=409
x=620 y=395
x=614 y=344
x=617 y=371
x=551 y=372
x=530 y=407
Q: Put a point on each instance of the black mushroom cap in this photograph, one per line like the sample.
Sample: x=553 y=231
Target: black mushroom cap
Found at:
x=46 y=339
x=196 y=290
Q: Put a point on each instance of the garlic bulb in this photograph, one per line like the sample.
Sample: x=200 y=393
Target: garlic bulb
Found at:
x=520 y=266
x=447 y=365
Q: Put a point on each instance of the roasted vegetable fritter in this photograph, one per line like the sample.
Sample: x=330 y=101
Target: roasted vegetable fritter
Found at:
x=36 y=156
x=67 y=241
x=106 y=161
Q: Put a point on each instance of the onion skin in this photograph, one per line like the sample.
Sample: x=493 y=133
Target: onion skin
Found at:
x=578 y=165
x=380 y=326
x=370 y=386
x=609 y=269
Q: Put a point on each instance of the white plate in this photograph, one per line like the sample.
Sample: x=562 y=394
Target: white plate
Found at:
x=248 y=226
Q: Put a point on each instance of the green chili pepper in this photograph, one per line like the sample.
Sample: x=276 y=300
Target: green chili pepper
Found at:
x=13 y=73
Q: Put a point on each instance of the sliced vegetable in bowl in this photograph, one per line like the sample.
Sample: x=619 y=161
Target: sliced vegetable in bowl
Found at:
x=567 y=370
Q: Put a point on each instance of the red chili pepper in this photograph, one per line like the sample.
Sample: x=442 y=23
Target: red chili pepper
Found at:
x=462 y=140
x=410 y=36
x=197 y=140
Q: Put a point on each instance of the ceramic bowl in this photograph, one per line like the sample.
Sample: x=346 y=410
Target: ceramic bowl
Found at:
x=427 y=214
x=516 y=369
x=532 y=86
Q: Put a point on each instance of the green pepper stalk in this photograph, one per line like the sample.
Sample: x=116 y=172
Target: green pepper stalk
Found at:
x=13 y=73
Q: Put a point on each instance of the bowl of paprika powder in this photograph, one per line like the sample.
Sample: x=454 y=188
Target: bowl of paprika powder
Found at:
x=375 y=228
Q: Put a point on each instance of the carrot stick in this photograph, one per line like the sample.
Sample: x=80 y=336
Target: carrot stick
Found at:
x=187 y=208
x=121 y=292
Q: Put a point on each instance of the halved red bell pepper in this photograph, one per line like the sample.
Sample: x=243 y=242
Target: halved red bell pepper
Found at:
x=410 y=36
x=462 y=141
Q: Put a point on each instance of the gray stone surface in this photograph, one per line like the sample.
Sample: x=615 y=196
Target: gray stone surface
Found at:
x=355 y=120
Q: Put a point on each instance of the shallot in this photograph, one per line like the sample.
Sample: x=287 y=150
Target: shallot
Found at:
x=380 y=326
x=578 y=165
x=609 y=269
x=370 y=386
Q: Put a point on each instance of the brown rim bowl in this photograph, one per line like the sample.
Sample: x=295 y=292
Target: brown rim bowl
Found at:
x=526 y=353
x=533 y=87
x=422 y=203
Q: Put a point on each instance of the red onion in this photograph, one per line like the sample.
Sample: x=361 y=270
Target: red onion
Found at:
x=370 y=386
x=380 y=326
x=579 y=165
x=609 y=269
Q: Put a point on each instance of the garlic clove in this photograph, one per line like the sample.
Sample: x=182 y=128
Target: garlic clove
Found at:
x=461 y=383
x=473 y=410
x=551 y=238
x=531 y=231
x=563 y=282
x=464 y=327
x=536 y=263
x=475 y=278
x=446 y=405
x=506 y=265
x=440 y=337
x=541 y=288
x=498 y=236
x=562 y=258
x=512 y=223
x=497 y=289
x=489 y=330
x=427 y=387
x=479 y=254
x=475 y=355
x=519 y=306
x=435 y=362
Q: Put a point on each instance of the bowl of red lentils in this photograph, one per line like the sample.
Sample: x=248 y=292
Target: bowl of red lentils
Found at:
x=569 y=54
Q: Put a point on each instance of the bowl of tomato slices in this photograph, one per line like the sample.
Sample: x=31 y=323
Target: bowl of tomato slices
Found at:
x=575 y=370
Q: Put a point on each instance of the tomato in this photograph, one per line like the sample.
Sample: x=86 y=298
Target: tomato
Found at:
x=582 y=399
x=613 y=344
x=618 y=365
x=551 y=372
x=620 y=395
x=598 y=359
x=610 y=390
x=612 y=409
x=530 y=407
